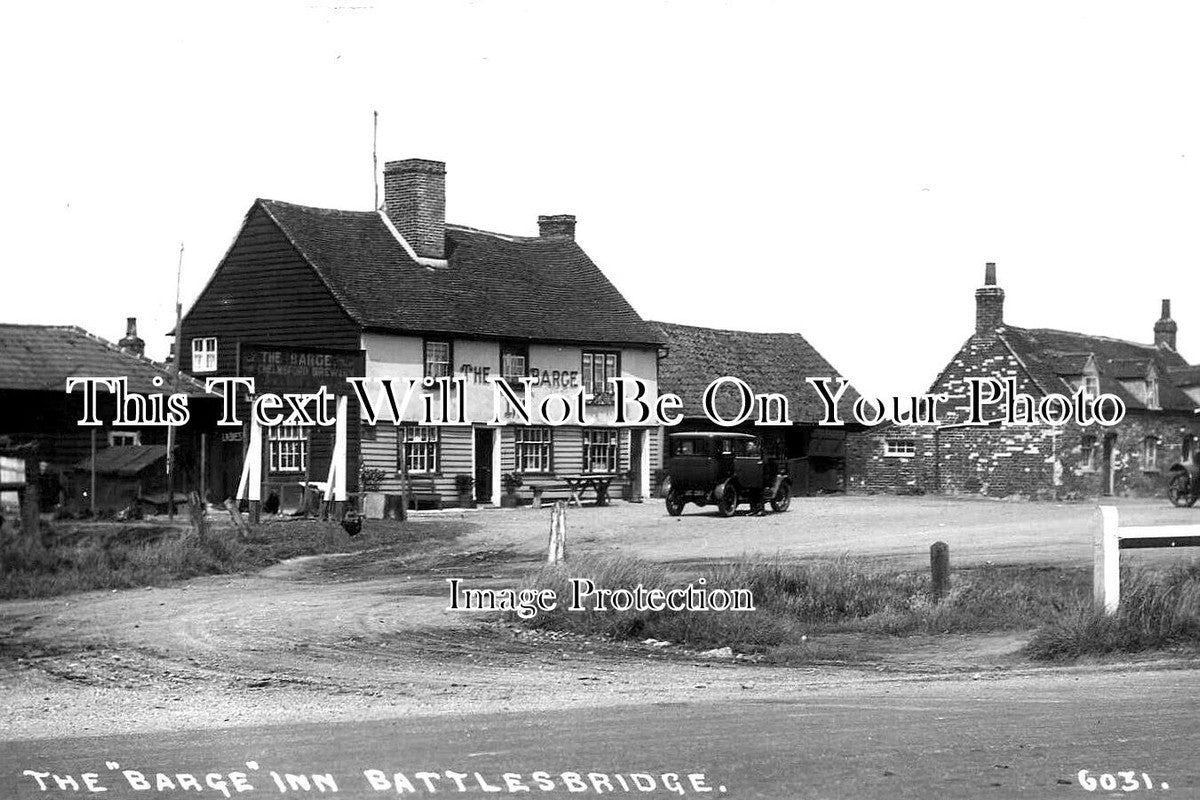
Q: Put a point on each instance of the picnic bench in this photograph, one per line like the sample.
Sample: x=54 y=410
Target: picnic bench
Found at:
x=572 y=488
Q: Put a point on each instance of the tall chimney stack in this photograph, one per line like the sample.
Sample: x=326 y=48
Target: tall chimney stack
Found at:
x=989 y=303
x=556 y=226
x=1165 y=329
x=132 y=342
x=414 y=198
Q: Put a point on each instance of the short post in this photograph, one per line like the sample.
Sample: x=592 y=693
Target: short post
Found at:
x=558 y=534
x=939 y=564
x=1106 y=576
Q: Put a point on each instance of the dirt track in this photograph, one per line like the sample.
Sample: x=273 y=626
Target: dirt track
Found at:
x=367 y=636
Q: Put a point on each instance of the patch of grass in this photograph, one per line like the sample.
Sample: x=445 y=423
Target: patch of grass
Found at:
x=1158 y=610
x=797 y=599
x=87 y=556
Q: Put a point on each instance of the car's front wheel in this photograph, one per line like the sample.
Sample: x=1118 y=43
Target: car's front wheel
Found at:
x=674 y=503
x=782 y=498
x=727 y=500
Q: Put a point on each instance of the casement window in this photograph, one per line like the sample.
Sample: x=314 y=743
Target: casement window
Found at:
x=420 y=446
x=204 y=354
x=900 y=447
x=1091 y=385
x=1187 y=447
x=437 y=359
x=598 y=367
x=124 y=438
x=601 y=450
x=1150 y=454
x=514 y=363
x=1087 y=452
x=288 y=446
x=534 y=448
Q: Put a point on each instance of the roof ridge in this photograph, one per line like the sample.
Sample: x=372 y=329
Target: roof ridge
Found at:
x=728 y=330
x=321 y=209
x=508 y=237
x=1101 y=337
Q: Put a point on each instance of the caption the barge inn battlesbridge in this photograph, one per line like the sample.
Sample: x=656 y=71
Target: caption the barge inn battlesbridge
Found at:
x=311 y=296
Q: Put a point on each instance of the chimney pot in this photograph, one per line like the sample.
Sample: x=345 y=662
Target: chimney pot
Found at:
x=132 y=342
x=556 y=226
x=414 y=198
x=989 y=273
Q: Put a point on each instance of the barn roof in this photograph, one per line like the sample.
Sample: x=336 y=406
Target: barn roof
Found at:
x=528 y=288
x=769 y=362
x=129 y=460
x=40 y=358
x=1045 y=352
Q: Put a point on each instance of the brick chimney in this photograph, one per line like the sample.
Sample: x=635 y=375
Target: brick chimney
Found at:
x=557 y=226
x=414 y=198
x=134 y=344
x=1165 y=329
x=989 y=303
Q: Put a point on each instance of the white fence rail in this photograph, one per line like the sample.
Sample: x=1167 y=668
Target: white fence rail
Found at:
x=1112 y=538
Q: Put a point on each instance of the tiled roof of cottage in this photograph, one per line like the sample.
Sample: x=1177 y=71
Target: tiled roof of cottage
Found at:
x=528 y=288
x=768 y=362
x=1185 y=376
x=1042 y=351
x=40 y=358
x=1069 y=363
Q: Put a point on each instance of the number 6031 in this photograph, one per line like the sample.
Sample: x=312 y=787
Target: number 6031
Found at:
x=1125 y=781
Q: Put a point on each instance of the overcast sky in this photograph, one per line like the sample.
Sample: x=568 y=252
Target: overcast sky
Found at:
x=842 y=170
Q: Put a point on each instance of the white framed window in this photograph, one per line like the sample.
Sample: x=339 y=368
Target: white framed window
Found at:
x=1087 y=453
x=420 y=445
x=437 y=359
x=1091 y=385
x=894 y=446
x=598 y=367
x=534 y=449
x=204 y=354
x=124 y=438
x=601 y=450
x=1150 y=454
x=514 y=362
x=288 y=447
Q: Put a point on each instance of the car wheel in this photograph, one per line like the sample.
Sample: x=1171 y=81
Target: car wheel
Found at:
x=1177 y=490
x=782 y=498
x=674 y=504
x=727 y=501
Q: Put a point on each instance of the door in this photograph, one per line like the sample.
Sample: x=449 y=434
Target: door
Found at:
x=484 y=442
x=637 y=439
x=1106 y=465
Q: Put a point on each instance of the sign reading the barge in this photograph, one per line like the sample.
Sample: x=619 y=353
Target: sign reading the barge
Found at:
x=294 y=368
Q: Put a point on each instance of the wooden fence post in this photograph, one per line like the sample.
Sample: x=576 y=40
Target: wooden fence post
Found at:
x=558 y=533
x=939 y=564
x=1106 y=576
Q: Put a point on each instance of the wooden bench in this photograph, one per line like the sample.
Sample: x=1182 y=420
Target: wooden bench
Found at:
x=550 y=491
x=423 y=489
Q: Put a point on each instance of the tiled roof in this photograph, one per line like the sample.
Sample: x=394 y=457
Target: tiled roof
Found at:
x=1042 y=351
x=1069 y=363
x=42 y=357
x=1185 y=376
x=497 y=286
x=769 y=362
x=124 y=460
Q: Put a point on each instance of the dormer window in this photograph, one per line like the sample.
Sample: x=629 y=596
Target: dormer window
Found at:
x=1091 y=385
x=1152 y=391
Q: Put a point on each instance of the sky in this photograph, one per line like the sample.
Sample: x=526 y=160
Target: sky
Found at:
x=841 y=170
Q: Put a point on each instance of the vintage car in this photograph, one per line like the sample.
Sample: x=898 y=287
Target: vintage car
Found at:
x=1183 y=482
x=724 y=469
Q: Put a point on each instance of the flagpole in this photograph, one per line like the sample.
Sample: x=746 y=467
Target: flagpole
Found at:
x=175 y=367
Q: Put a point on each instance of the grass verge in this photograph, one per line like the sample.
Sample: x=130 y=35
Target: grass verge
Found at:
x=87 y=556
x=794 y=600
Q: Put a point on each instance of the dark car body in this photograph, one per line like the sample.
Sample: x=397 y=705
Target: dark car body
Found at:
x=725 y=469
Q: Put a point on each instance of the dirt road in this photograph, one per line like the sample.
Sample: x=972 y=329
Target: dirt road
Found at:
x=367 y=636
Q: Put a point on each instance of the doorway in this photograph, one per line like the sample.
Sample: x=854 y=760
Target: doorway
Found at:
x=485 y=441
x=1106 y=465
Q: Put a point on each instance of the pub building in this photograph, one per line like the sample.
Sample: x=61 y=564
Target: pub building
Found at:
x=399 y=293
